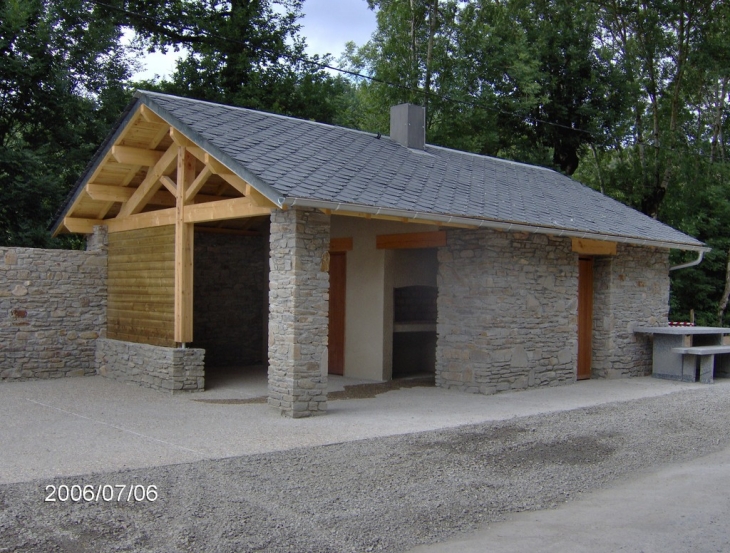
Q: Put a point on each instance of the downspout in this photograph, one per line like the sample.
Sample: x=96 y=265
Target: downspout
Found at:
x=701 y=254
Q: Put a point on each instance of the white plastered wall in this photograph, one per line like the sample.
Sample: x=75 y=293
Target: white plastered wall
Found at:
x=371 y=276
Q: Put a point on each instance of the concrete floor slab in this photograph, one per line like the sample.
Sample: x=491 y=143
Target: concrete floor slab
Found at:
x=84 y=425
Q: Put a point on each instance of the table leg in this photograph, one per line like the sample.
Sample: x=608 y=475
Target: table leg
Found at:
x=707 y=367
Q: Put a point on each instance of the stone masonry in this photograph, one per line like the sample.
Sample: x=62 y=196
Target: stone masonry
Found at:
x=166 y=369
x=52 y=310
x=507 y=311
x=629 y=289
x=298 y=312
x=230 y=298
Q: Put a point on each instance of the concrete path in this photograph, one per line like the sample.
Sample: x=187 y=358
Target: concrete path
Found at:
x=678 y=509
x=88 y=425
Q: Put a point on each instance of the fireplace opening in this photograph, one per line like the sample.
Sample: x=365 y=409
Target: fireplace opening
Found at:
x=414 y=330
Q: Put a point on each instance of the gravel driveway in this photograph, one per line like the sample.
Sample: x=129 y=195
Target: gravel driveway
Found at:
x=387 y=494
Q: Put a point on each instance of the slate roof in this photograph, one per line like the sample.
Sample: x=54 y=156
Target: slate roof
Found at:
x=293 y=159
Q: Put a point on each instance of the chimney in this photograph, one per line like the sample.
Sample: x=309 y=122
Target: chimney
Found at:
x=408 y=125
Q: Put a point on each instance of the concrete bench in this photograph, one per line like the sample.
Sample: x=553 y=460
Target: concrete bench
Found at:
x=706 y=355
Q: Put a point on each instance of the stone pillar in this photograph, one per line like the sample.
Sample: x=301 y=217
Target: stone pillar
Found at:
x=298 y=311
x=629 y=289
x=99 y=240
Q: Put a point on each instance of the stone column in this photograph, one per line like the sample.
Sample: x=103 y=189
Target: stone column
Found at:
x=298 y=311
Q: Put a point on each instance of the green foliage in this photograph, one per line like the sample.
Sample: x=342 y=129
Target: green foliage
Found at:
x=61 y=85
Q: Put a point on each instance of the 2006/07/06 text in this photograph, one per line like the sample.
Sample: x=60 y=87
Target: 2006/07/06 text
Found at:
x=100 y=492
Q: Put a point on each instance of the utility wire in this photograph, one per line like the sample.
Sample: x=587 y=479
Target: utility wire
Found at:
x=474 y=103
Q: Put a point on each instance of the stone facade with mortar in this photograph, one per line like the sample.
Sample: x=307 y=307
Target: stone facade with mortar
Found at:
x=298 y=311
x=230 y=306
x=629 y=289
x=507 y=311
x=166 y=369
x=52 y=310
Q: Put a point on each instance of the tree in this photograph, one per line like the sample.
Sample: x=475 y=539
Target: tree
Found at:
x=60 y=89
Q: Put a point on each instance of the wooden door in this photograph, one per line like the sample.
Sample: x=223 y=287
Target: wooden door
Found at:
x=585 y=317
x=338 y=275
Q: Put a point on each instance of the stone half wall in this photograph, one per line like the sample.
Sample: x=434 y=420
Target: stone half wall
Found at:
x=166 y=369
x=298 y=311
x=230 y=298
x=507 y=311
x=629 y=289
x=52 y=310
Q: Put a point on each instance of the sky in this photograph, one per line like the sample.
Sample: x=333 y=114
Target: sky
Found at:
x=327 y=26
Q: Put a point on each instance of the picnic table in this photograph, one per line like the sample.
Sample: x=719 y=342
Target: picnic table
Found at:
x=685 y=353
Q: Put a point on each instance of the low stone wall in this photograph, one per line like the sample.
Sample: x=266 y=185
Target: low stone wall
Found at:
x=507 y=311
x=167 y=369
x=52 y=310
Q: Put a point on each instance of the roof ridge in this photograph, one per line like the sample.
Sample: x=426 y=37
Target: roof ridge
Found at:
x=139 y=93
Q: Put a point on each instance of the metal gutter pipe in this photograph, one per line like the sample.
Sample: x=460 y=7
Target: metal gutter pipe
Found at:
x=700 y=255
x=433 y=218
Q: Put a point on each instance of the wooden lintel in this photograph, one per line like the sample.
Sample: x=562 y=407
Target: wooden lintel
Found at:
x=435 y=239
x=168 y=183
x=158 y=218
x=593 y=247
x=341 y=244
x=198 y=183
x=235 y=208
x=80 y=225
x=179 y=138
x=136 y=156
x=150 y=184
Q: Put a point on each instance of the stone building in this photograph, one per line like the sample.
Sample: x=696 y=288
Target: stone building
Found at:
x=236 y=237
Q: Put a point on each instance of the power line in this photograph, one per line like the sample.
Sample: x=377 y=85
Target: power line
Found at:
x=474 y=103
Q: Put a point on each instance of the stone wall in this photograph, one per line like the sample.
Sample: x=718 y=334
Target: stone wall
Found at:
x=52 y=310
x=507 y=311
x=629 y=289
x=298 y=311
x=230 y=298
x=166 y=369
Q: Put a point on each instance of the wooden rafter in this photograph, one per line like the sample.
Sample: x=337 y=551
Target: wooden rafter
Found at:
x=136 y=156
x=150 y=184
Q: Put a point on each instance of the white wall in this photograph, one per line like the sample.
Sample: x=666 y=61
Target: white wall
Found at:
x=371 y=276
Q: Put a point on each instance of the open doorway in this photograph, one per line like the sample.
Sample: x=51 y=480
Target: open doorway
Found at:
x=414 y=312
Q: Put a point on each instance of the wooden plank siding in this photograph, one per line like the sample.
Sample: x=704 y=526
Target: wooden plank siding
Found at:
x=142 y=286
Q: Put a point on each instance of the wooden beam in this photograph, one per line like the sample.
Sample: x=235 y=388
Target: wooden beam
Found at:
x=108 y=193
x=150 y=184
x=198 y=183
x=593 y=247
x=184 y=237
x=236 y=182
x=216 y=166
x=341 y=244
x=258 y=197
x=157 y=218
x=150 y=116
x=80 y=225
x=136 y=156
x=235 y=208
x=179 y=138
x=168 y=183
x=198 y=152
x=435 y=239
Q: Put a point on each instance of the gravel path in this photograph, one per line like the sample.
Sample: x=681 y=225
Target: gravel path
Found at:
x=387 y=494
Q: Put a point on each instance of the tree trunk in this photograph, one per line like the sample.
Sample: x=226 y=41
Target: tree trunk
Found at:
x=725 y=294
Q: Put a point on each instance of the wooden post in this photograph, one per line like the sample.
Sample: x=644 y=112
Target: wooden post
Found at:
x=184 y=235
